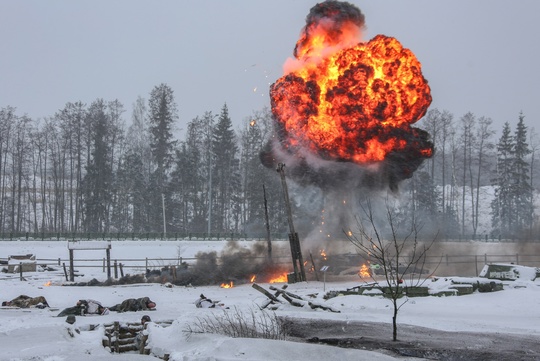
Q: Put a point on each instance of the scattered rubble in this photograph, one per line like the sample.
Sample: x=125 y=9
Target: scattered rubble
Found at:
x=291 y=298
x=509 y=272
x=437 y=286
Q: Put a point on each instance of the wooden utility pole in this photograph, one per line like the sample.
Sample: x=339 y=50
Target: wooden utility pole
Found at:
x=268 y=240
x=296 y=252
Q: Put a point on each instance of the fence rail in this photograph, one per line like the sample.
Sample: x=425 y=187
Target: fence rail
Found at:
x=447 y=265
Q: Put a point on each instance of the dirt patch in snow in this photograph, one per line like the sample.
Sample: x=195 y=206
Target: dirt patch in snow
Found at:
x=414 y=341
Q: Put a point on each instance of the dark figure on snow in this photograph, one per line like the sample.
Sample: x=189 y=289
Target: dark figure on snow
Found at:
x=85 y=307
x=135 y=304
x=204 y=302
x=24 y=301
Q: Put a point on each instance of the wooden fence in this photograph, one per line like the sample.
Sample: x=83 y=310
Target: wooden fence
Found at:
x=446 y=264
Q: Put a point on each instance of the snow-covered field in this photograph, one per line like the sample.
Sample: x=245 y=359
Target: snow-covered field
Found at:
x=37 y=334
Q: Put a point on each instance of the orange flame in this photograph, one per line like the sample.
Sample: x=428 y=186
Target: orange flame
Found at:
x=364 y=271
x=227 y=285
x=279 y=279
x=253 y=278
x=323 y=254
x=355 y=104
x=47 y=284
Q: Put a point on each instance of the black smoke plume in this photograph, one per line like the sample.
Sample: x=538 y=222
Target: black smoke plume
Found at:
x=334 y=15
x=318 y=167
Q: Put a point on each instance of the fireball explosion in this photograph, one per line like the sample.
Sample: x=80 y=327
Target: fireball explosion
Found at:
x=344 y=109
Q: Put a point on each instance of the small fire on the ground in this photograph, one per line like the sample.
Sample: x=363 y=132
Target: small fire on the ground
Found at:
x=227 y=285
x=364 y=271
x=47 y=284
x=323 y=255
x=253 y=278
x=279 y=279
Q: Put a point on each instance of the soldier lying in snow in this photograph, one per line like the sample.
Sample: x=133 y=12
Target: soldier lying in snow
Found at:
x=134 y=304
x=24 y=301
x=204 y=302
x=85 y=307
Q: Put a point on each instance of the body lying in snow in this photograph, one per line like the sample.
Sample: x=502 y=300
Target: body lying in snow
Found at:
x=24 y=301
x=85 y=307
x=134 y=304
x=204 y=302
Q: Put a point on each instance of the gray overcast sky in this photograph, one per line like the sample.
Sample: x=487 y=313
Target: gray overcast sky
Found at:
x=480 y=56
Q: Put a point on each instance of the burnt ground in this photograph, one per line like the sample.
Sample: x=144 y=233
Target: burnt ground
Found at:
x=415 y=341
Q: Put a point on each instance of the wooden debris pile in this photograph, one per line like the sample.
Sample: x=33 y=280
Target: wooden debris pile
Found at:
x=436 y=286
x=275 y=299
x=120 y=337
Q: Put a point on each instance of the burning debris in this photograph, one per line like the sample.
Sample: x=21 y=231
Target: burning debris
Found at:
x=291 y=298
x=344 y=109
x=235 y=265
x=227 y=285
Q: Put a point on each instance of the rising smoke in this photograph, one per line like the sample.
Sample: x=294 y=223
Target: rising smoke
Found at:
x=353 y=117
x=361 y=107
x=342 y=23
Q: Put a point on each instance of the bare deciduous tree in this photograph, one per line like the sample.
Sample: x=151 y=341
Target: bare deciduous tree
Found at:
x=401 y=255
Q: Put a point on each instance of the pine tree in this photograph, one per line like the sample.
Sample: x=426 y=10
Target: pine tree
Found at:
x=98 y=179
x=129 y=211
x=521 y=187
x=427 y=196
x=502 y=206
x=225 y=175
x=252 y=174
x=181 y=186
x=162 y=115
x=189 y=179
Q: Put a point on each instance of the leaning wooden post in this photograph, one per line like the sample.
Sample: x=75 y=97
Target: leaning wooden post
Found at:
x=65 y=272
x=267 y=226
x=71 y=272
x=265 y=292
x=108 y=252
x=296 y=252
x=314 y=267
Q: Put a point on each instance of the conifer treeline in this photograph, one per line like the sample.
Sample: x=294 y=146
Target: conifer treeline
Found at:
x=82 y=170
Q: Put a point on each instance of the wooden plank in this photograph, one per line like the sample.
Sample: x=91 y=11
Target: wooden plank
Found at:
x=89 y=245
x=265 y=292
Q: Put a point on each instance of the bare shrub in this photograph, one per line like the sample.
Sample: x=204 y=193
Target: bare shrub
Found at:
x=235 y=323
x=399 y=255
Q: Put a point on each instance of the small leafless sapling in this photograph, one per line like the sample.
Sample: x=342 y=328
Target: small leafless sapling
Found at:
x=400 y=254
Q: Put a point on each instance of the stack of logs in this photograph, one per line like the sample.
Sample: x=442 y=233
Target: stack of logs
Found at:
x=120 y=337
x=290 y=297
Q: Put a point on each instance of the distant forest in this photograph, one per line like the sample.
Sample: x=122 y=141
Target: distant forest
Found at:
x=84 y=171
